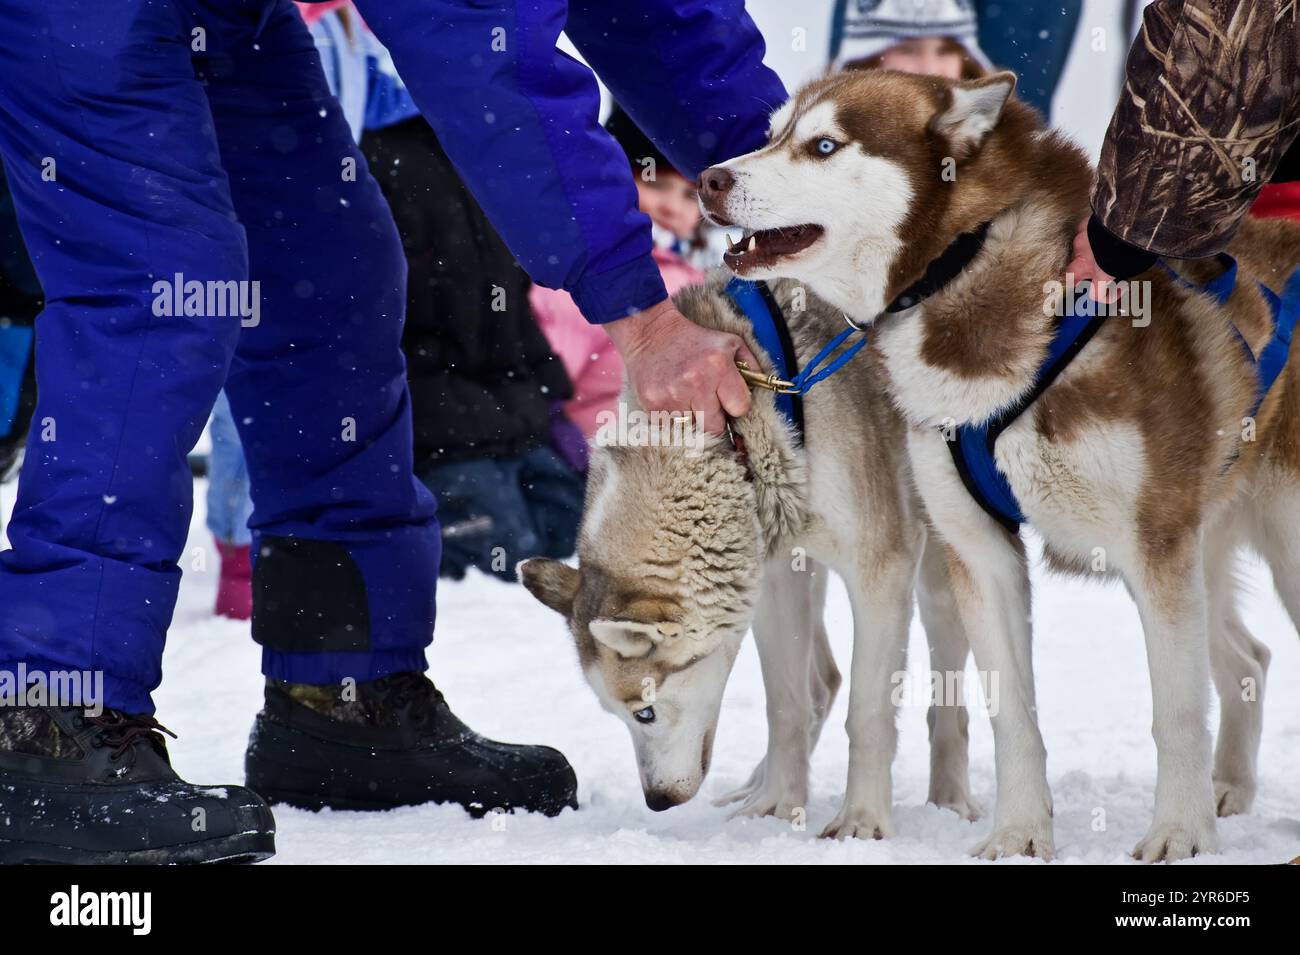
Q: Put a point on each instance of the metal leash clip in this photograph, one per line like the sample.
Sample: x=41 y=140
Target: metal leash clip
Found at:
x=757 y=379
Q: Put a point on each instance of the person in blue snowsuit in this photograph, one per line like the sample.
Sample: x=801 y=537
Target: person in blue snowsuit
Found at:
x=371 y=96
x=164 y=155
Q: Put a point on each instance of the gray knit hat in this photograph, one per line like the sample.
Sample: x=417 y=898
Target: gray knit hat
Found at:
x=866 y=28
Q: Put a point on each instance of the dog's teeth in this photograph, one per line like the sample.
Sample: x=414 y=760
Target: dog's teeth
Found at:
x=753 y=244
x=731 y=244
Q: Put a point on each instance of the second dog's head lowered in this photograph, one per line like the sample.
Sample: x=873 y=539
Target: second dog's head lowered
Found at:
x=670 y=554
x=660 y=602
x=866 y=177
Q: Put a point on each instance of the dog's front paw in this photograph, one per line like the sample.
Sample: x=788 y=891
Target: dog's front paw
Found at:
x=859 y=823
x=739 y=794
x=764 y=803
x=1171 y=841
x=757 y=780
x=764 y=795
x=1027 y=839
x=1233 y=798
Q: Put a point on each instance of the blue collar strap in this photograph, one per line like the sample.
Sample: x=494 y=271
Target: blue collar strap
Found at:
x=755 y=302
x=815 y=373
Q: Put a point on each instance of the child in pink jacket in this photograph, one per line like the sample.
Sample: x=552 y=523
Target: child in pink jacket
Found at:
x=593 y=364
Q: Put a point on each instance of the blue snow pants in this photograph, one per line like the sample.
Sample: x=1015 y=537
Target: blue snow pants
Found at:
x=155 y=143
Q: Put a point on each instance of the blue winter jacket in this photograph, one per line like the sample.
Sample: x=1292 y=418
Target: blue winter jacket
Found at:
x=519 y=118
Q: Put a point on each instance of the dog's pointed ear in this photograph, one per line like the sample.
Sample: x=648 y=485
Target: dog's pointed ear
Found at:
x=627 y=638
x=553 y=583
x=973 y=109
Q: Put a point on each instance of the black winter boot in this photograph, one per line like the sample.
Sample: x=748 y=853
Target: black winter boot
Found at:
x=393 y=742
x=81 y=789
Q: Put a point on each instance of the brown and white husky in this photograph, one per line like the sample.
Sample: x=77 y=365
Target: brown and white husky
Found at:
x=1141 y=460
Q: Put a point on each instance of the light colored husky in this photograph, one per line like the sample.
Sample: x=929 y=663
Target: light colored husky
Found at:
x=1141 y=460
x=684 y=547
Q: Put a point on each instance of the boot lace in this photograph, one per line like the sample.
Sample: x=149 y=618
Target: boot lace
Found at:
x=415 y=688
x=121 y=731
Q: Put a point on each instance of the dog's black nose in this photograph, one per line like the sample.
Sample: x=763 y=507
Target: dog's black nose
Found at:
x=715 y=182
x=659 y=801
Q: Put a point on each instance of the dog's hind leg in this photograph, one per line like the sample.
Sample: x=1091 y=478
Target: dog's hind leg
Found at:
x=823 y=675
x=1278 y=539
x=1240 y=661
x=1171 y=597
x=1238 y=664
x=787 y=630
x=947 y=718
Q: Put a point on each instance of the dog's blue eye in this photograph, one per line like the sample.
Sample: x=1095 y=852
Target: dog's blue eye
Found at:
x=827 y=146
x=645 y=716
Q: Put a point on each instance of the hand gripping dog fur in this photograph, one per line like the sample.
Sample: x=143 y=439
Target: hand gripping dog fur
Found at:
x=1142 y=459
x=684 y=546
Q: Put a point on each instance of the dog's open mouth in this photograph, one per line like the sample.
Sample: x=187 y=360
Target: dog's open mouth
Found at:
x=756 y=250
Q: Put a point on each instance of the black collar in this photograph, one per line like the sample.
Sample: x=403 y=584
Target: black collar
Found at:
x=942 y=270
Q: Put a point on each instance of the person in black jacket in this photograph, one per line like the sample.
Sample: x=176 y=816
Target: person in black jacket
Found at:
x=490 y=441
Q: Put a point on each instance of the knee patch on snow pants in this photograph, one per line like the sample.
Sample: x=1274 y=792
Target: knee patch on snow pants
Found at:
x=309 y=596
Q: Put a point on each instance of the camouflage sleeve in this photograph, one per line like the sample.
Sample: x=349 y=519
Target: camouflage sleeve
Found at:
x=1210 y=103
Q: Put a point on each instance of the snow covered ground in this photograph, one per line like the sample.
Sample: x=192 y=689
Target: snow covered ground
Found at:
x=509 y=669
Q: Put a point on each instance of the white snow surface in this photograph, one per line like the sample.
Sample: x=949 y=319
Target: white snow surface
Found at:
x=509 y=669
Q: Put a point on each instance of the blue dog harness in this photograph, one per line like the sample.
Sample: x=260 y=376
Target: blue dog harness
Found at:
x=1272 y=359
x=972 y=448
x=1285 y=309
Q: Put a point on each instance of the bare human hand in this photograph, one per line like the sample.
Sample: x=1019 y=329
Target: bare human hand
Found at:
x=677 y=366
x=1084 y=266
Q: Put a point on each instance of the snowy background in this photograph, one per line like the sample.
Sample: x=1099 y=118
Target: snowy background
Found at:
x=509 y=669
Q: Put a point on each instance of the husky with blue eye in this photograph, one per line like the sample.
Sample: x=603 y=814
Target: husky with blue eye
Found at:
x=1147 y=447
